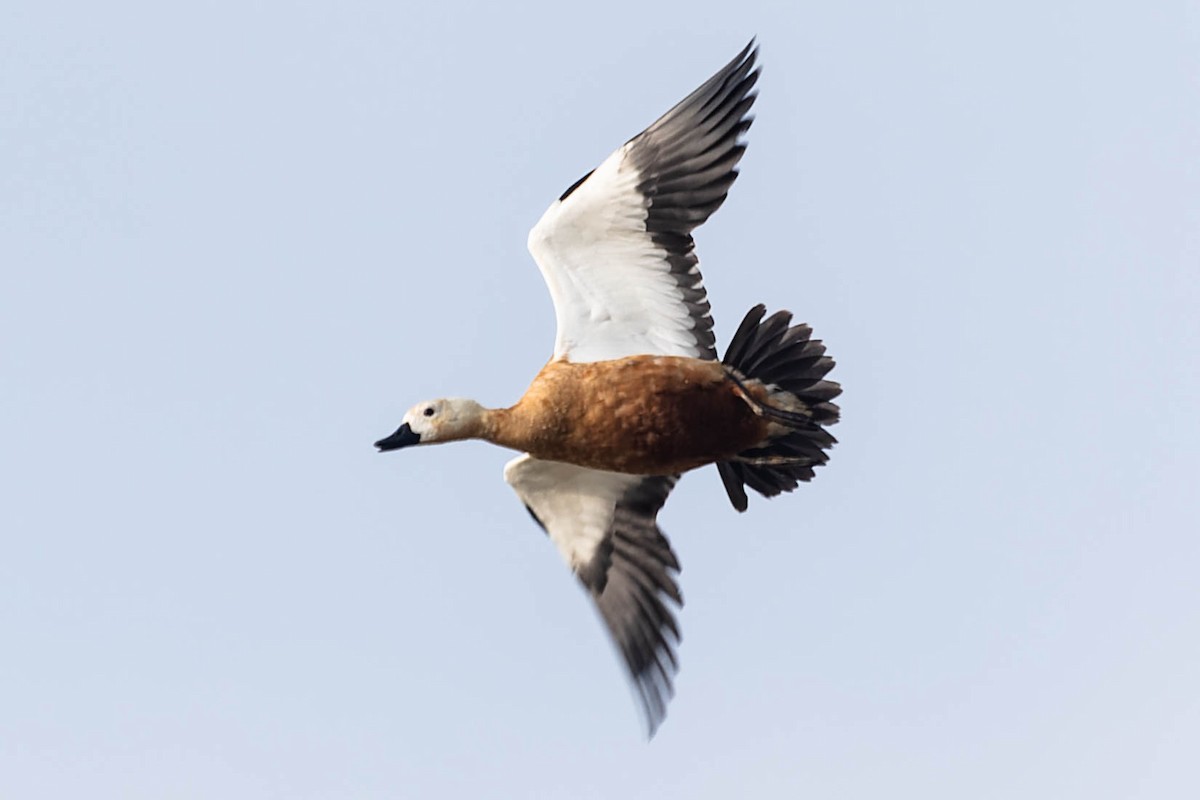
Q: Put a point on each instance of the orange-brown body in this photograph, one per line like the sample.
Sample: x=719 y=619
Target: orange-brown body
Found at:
x=646 y=415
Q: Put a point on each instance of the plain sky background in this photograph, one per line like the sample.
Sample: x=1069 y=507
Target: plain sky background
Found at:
x=238 y=240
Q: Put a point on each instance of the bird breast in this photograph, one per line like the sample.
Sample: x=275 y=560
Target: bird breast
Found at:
x=646 y=415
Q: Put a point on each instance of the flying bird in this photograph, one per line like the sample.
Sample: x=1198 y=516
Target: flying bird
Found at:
x=634 y=394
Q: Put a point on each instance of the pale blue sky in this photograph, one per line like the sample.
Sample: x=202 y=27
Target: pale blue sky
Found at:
x=237 y=240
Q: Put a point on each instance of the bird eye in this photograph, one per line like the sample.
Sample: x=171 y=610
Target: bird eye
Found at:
x=428 y=411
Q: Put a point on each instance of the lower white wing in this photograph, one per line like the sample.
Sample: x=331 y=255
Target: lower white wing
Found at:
x=603 y=524
x=616 y=249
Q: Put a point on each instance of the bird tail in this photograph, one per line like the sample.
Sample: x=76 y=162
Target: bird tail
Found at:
x=793 y=367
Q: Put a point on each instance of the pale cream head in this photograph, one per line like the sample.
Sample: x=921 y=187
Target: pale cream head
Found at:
x=447 y=419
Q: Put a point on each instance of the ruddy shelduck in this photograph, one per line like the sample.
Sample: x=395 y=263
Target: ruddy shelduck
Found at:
x=634 y=394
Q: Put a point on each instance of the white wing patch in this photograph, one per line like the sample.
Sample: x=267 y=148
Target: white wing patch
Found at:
x=616 y=249
x=613 y=291
x=574 y=504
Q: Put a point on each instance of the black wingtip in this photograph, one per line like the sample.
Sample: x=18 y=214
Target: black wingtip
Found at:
x=748 y=52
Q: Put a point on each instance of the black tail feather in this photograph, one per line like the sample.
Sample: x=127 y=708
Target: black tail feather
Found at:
x=769 y=351
x=734 y=484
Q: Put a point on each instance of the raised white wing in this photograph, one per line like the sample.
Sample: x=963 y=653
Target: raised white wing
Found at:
x=603 y=524
x=616 y=249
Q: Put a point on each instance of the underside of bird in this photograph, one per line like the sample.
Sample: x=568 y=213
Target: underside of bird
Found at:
x=759 y=415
